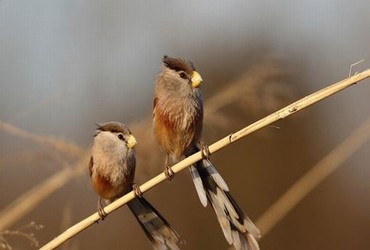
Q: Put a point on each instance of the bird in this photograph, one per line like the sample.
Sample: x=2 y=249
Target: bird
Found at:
x=178 y=123
x=112 y=170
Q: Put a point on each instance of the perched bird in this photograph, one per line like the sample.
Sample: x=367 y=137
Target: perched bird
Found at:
x=178 y=120
x=112 y=171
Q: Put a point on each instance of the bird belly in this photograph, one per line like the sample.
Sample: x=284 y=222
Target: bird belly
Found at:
x=174 y=133
x=105 y=189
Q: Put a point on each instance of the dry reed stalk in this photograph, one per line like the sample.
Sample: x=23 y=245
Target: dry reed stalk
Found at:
x=55 y=143
x=280 y=114
x=30 y=199
x=245 y=87
x=316 y=175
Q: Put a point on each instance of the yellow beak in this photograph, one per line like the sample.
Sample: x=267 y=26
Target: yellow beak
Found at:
x=131 y=142
x=196 y=80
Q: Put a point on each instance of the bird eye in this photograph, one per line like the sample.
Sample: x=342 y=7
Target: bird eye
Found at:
x=182 y=75
x=120 y=136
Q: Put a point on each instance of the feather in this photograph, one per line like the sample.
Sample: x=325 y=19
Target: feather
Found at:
x=215 y=175
x=237 y=242
x=198 y=185
x=114 y=127
x=221 y=217
x=157 y=229
x=237 y=228
x=179 y=64
x=223 y=199
x=252 y=242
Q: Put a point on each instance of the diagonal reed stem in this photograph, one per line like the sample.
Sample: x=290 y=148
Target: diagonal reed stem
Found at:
x=280 y=114
x=30 y=199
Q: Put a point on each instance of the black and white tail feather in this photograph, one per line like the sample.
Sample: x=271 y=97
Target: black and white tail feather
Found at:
x=157 y=229
x=238 y=229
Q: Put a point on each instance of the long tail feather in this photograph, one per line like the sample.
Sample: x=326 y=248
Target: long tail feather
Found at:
x=237 y=228
x=157 y=229
x=198 y=185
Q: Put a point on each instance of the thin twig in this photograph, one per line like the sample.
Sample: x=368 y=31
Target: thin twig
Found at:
x=353 y=65
x=280 y=114
x=21 y=232
x=314 y=177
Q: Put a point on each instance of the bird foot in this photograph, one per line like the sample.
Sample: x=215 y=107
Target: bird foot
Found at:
x=204 y=150
x=102 y=213
x=137 y=190
x=169 y=172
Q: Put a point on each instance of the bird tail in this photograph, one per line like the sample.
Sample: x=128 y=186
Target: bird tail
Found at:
x=238 y=229
x=155 y=226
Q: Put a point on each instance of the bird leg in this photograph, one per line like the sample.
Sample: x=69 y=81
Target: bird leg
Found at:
x=101 y=211
x=168 y=170
x=137 y=190
x=204 y=150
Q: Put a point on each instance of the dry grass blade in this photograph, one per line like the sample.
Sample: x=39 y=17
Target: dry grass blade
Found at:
x=26 y=202
x=314 y=177
x=260 y=89
x=55 y=143
x=248 y=88
x=22 y=232
x=301 y=104
x=280 y=114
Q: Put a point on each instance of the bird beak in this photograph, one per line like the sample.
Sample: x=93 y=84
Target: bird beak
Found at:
x=196 y=80
x=131 y=142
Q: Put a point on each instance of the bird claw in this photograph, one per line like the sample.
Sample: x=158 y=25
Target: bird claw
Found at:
x=168 y=172
x=204 y=150
x=102 y=213
x=137 y=190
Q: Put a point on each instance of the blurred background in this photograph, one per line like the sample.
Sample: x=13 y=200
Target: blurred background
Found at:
x=66 y=65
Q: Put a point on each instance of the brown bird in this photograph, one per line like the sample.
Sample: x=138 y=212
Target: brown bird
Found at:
x=112 y=171
x=178 y=121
